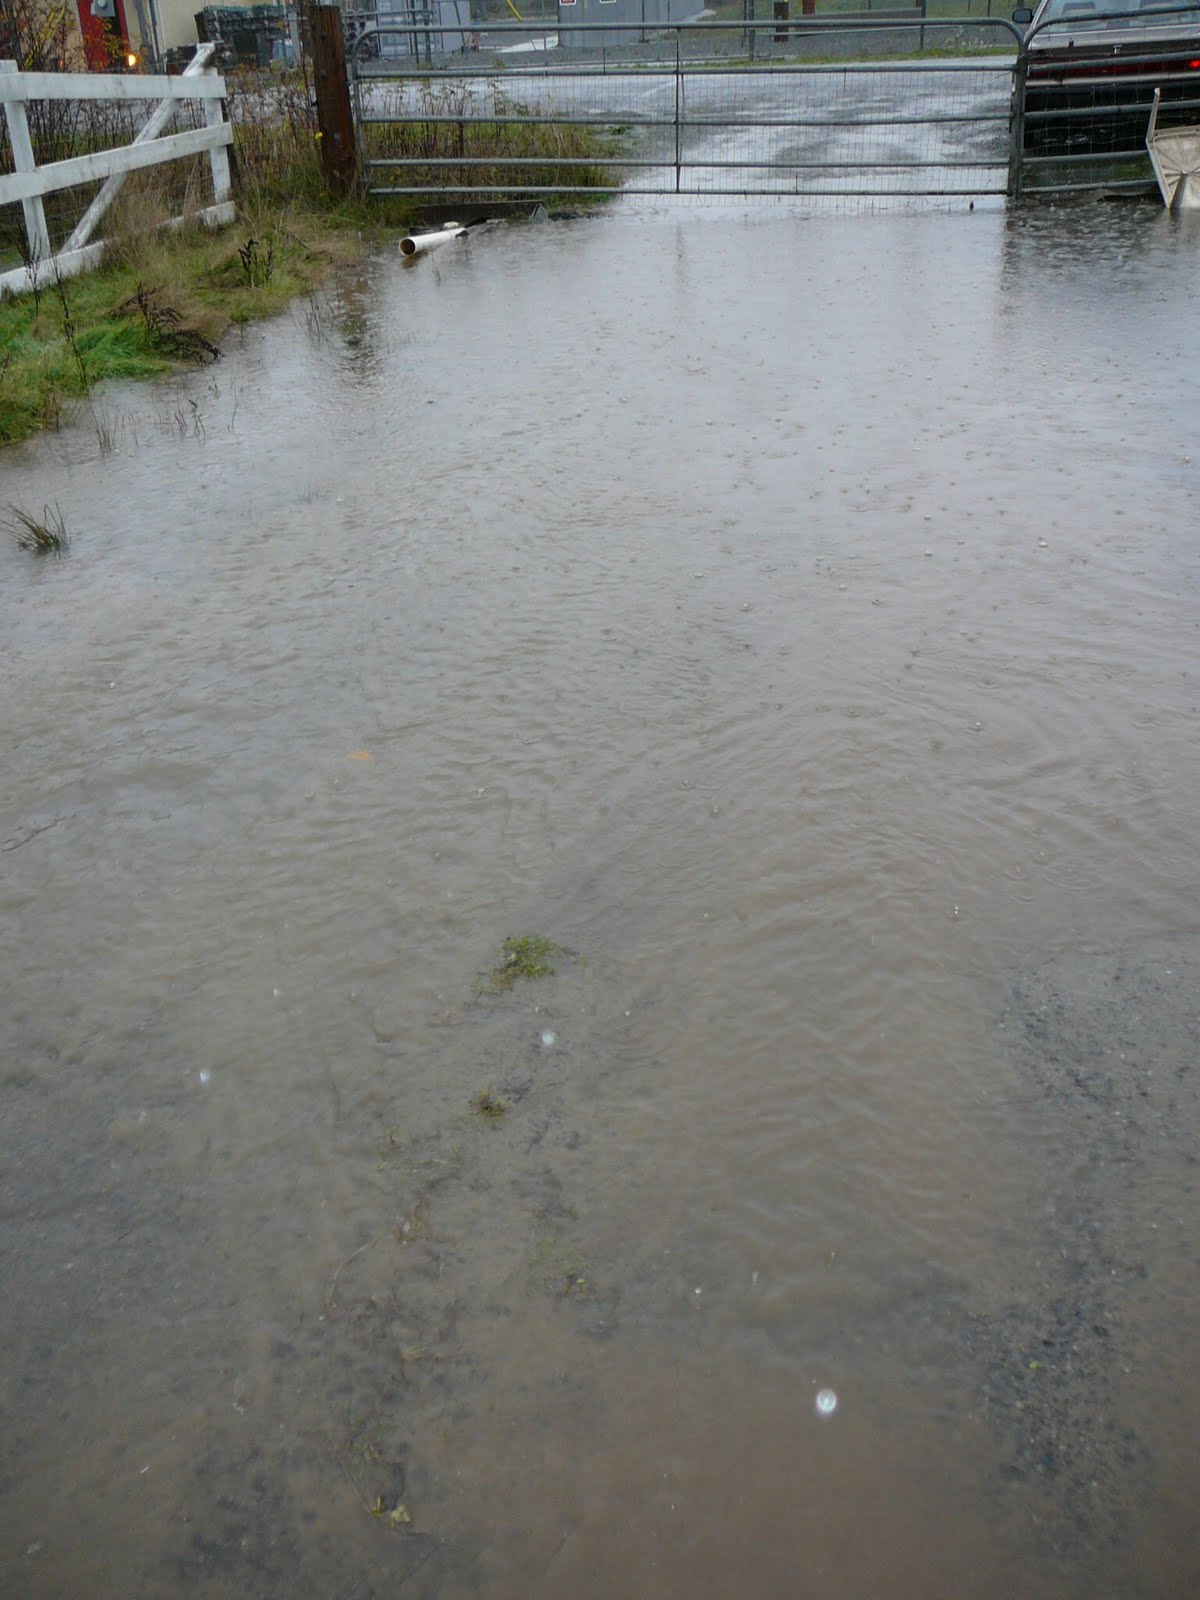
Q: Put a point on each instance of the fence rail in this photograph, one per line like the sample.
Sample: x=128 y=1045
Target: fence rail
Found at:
x=30 y=182
x=1083 y=92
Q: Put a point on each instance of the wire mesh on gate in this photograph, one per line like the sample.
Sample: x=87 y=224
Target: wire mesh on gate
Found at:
x=1086 y=85
x=663 y=117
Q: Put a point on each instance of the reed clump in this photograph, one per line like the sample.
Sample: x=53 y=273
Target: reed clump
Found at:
x=43 y=536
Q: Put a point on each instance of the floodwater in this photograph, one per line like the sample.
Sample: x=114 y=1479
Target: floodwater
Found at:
x=794 y=619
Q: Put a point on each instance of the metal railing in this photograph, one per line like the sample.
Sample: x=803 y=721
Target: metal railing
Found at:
x=779 y=108
x=1083 y=89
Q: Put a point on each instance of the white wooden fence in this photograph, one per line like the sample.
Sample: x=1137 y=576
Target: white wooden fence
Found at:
x=29 y=182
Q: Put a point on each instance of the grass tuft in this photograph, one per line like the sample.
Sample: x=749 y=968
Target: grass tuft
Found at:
x=43 y=536
x=525 y=955
x=489 y=1105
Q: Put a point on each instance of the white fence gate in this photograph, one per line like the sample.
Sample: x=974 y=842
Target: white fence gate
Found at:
x=29 y=182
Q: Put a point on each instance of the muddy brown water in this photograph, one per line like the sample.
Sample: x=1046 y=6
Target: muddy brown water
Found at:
x=795 y=619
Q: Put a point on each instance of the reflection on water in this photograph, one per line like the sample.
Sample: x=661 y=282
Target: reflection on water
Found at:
x=793 y=619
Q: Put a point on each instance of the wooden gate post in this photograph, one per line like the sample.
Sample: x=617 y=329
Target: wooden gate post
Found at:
x=36 y=236
x=335 y=120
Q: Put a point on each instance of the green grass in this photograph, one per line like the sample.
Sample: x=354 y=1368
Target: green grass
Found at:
x=40 y=375
x=486 y=148
x=60 y=345
x=489 y=1105
x=166 y=297
x=521 y=956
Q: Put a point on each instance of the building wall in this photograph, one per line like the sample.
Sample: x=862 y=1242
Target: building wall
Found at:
x=159 y=25
x=637 y=13
x=430 y=27
x=177 y=22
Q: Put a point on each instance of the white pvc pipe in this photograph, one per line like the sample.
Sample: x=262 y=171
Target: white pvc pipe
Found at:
x=416 y=243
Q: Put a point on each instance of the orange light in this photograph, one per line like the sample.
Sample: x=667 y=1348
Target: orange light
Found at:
x=131 y=60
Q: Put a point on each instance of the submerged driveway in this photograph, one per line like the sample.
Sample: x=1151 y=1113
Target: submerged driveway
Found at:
x=790 y=618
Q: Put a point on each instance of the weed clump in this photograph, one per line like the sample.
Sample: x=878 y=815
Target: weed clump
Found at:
x=165 y=327
x=44 y=536
x=526 y=955
x=258 y=262
x=397 y=1516
x=489 y=1105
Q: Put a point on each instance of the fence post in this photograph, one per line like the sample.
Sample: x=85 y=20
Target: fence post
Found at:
x=335 y=121
x=1016 y=127
x=36 y=232
x=214 y=117
x=678 y=109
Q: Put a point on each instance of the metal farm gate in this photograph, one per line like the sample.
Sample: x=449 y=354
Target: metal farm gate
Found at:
x=812 y=108
x=1086 y=82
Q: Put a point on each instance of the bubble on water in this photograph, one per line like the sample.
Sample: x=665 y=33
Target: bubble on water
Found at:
x=548 y=1039
x=826 y=1402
